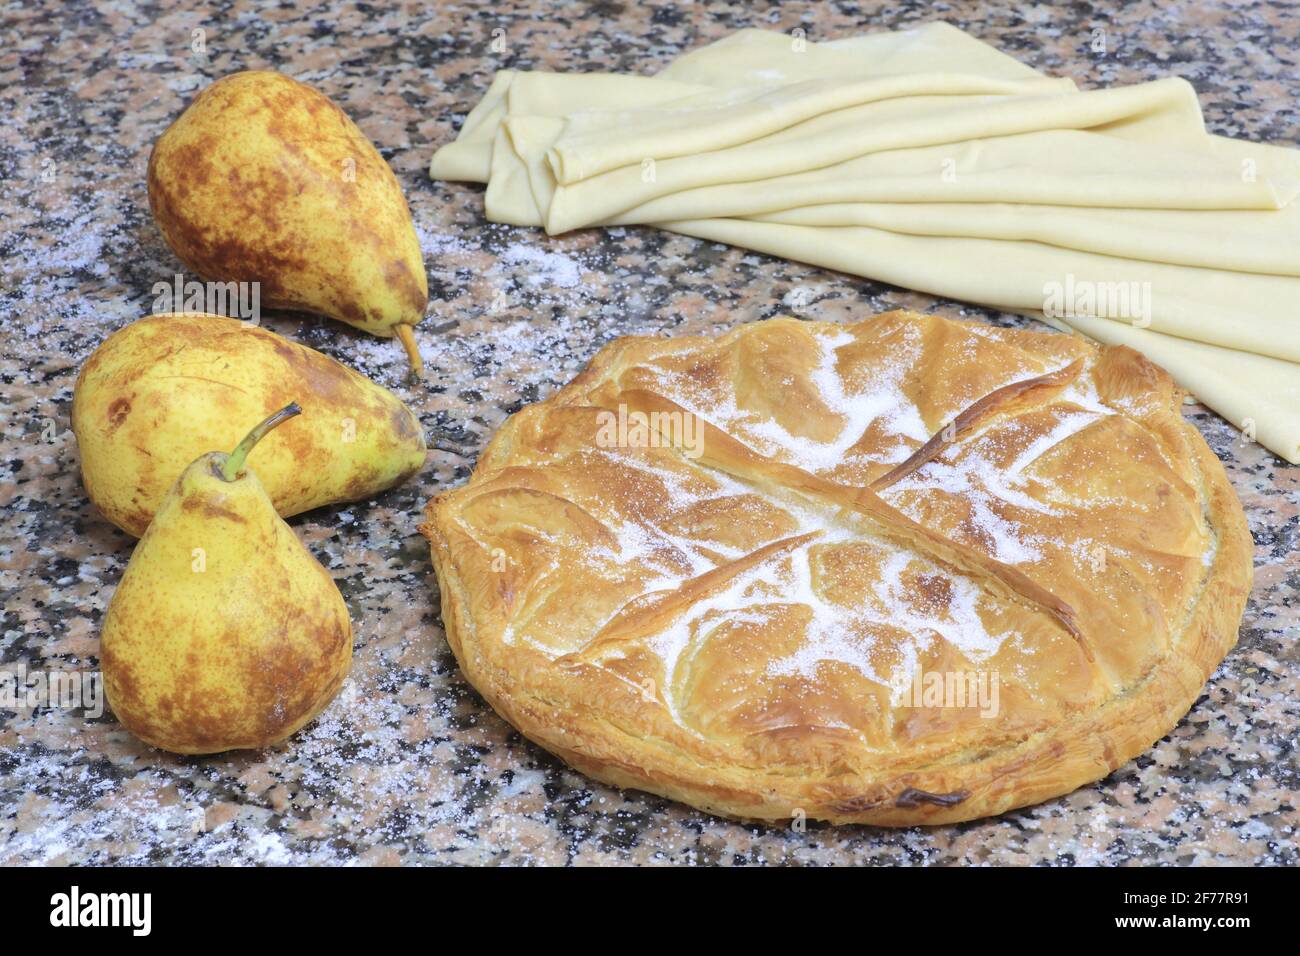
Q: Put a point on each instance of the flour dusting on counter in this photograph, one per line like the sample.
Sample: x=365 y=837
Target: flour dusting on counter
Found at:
x=409 y=765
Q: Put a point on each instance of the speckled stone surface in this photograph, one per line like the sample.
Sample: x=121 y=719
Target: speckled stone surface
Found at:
x=409 y=765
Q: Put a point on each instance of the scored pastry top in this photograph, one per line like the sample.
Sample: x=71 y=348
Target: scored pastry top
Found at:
x=719 y=568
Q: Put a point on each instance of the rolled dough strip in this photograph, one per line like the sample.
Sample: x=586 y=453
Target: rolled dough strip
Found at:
x=888 y=124
x=1085 y=169
x=1233 y=309
x=1232 y=240
x=595 y=142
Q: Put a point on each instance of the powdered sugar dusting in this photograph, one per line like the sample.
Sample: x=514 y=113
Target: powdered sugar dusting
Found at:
x=845 y=634
x=880 y=401
x=987 y=486
x=970 y=471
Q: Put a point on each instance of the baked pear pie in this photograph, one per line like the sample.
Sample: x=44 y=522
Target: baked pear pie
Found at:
x=898 y=572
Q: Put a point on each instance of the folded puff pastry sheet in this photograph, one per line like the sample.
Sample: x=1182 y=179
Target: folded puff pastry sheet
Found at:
x=929 y=159
x=741 y=613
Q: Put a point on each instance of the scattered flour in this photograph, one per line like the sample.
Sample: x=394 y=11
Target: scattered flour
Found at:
x=548 y=269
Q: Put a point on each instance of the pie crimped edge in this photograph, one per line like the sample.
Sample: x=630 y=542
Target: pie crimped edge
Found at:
x=582 y=717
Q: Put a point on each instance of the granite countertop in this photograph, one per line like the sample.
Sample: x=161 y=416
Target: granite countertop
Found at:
x=409 y=765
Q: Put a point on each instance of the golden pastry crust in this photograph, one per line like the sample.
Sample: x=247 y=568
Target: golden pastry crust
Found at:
x=744 y=605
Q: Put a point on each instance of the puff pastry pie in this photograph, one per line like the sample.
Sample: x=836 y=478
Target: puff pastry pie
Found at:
x=728 y=571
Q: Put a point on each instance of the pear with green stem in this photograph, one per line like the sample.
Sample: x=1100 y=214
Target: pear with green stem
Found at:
x=225 y=633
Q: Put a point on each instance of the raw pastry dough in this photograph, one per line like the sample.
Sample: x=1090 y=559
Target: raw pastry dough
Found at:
x=746 y=622
x=986 y=172
x=987 y=182
x=1184 y=237
x=1231 y=309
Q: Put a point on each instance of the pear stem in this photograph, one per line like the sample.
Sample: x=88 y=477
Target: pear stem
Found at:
x=235 y=461
x=406 y=334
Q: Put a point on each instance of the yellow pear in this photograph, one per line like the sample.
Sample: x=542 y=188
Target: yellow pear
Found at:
x=165 y=389
x=263 y=179
x=225 y=633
